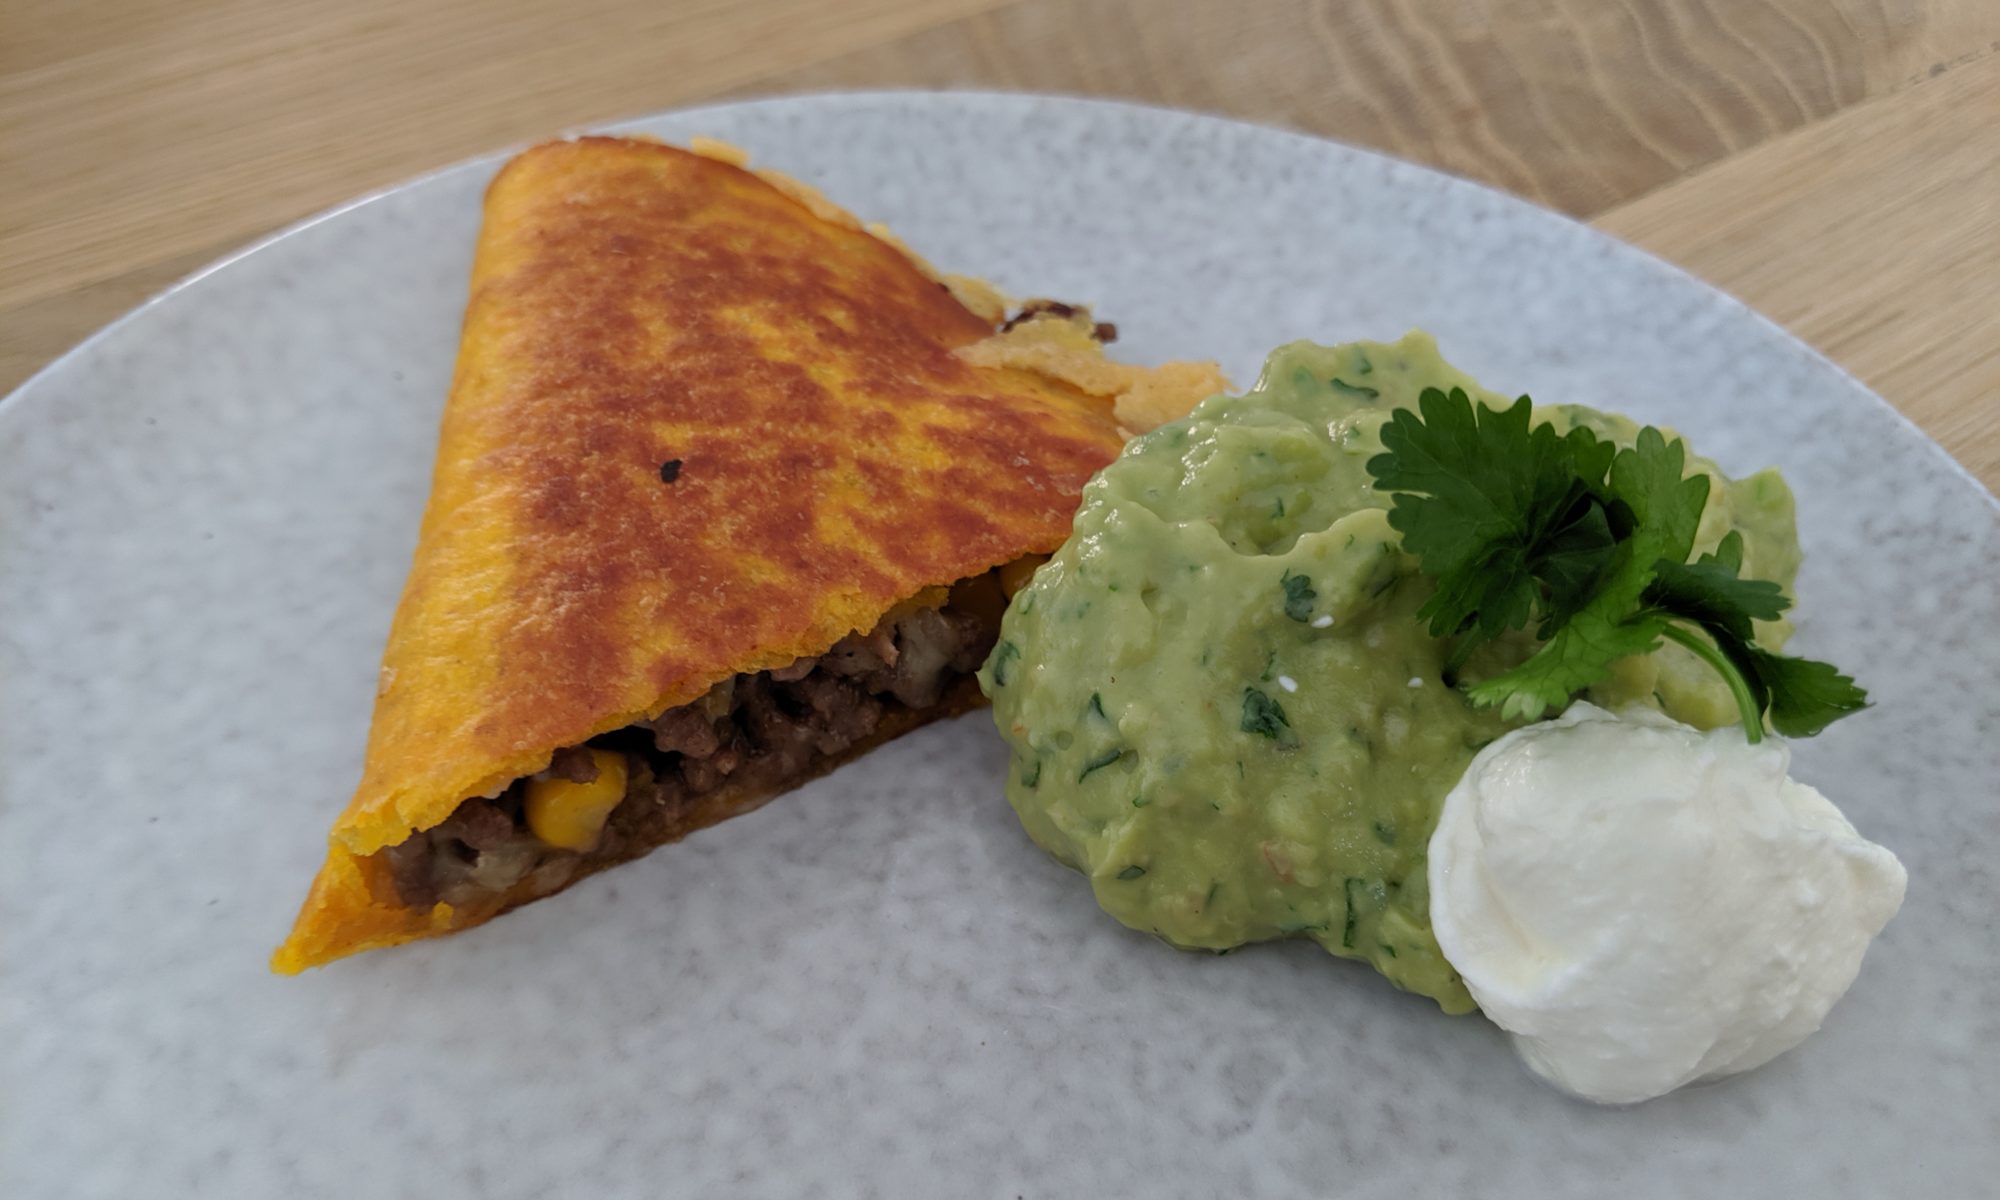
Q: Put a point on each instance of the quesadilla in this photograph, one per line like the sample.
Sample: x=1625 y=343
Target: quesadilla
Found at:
x=729 y=490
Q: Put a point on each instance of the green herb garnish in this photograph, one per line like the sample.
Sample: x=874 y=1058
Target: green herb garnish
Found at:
x=1100 y=762
x=1003 y=656
x=1515 y=523
x=1299 y=596
x=1264 y=716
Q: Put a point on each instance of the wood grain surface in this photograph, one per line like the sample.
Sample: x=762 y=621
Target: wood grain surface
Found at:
x=1885 y=222
x=1832 y=162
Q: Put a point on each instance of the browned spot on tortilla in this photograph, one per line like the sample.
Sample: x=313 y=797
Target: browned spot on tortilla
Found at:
x=634 y=304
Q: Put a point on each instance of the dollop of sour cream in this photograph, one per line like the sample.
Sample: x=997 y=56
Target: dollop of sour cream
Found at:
x=1643 y=905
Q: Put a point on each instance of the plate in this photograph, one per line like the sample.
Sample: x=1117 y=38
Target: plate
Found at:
x=878 y=986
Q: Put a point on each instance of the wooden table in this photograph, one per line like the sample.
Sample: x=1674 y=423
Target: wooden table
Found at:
x=1836 y=163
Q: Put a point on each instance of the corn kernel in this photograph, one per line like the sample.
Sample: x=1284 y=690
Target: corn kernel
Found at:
x=571 y=815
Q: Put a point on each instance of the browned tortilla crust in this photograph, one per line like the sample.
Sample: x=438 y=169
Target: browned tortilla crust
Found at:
x=634 y=306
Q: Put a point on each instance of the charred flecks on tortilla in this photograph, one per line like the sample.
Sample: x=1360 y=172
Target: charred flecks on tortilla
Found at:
x=759 y=732
x=1100 y=331
x=704 y=427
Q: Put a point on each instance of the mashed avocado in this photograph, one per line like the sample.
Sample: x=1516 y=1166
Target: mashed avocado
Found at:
x=1222 y=708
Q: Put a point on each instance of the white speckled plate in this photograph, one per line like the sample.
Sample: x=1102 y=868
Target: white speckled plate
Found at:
x=877 y=986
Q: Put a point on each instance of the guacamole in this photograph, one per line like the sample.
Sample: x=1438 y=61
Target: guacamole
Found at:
x=1221 y=705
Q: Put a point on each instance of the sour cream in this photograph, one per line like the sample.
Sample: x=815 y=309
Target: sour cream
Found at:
x=1643 y=905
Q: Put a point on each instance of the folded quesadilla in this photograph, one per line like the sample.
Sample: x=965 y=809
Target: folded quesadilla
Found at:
x=729 y=490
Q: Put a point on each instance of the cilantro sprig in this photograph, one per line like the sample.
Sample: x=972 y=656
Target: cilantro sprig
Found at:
x=1516 y=523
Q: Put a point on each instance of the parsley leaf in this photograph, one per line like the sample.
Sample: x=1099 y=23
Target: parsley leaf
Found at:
x=1664 y=506
x=1265 y=717
x=1004 y=656
x=1573 y=561
x=1581 y=652
x=1299 y=596
x=1497 y=509
x=1708 y=592
x=1100 y=762
x=1802 y=696
x=1512 y=523
x=1805 y=695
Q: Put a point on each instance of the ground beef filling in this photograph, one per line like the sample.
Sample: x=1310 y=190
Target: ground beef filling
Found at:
x=758 y=731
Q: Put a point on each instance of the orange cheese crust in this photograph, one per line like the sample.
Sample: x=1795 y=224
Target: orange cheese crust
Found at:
x=632 y=305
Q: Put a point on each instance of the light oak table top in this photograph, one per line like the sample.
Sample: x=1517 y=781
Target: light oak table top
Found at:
x=1835 y=163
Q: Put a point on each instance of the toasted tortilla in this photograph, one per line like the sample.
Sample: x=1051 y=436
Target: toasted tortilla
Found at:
x=703 y=423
